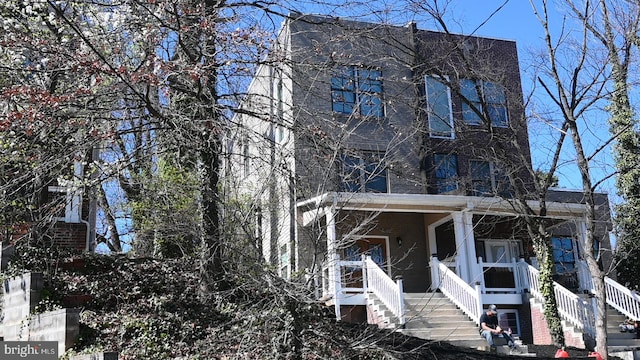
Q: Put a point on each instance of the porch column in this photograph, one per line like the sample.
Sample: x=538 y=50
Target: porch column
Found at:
x=463 y=229
x=333 y=260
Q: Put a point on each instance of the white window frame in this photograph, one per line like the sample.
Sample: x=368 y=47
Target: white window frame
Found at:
x=501 y=312
x=430 y=115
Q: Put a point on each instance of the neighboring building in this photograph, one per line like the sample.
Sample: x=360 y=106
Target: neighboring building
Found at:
x=399 y=144
x=67 y=213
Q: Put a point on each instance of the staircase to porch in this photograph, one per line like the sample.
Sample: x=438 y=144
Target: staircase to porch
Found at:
x=619 y=341
x=434 y=317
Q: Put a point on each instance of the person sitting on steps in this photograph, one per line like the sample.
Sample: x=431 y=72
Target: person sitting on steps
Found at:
x=489 y=328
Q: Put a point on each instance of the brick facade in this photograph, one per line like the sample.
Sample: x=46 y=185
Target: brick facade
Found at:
x=542 y=335
x=70 y=235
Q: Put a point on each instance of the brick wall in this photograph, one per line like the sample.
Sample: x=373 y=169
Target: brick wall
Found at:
x=541 y=333
x=70 y=235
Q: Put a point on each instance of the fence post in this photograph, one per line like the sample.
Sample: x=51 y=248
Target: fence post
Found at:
x=365 y=274
x=399 y=282
x=479 y=304
x=435 y=272
x=337 y=277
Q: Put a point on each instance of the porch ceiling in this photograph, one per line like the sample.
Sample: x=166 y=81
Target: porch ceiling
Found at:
x=426 y=203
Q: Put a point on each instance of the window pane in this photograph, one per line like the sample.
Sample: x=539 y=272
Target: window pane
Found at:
x=365 y=173
x=377 y=254
x=497 y=103
x=469 y=91
x=351 y=173
x=498 y=115
x=375 y=178
x=370 y=105
x=563 y=255
x=370 y=80
x=446 y=172
x=494 y=93
x=439 y=108
x=343 y=91
x=502 y=185
x=480 y=178
x=370 y=92
x=343 y=101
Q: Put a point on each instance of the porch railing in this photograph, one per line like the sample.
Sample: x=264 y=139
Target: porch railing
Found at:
x=343 y=277
x=571 y=307
x=467 y=298
x=390 y=292
x=621 y=298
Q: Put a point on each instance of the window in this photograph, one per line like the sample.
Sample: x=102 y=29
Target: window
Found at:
x=481 y=183
x=439 y=108
x=357 y=90
x=493 y=96
x=564 y=259
x=488 y=179
x=508 y=319
x=563 y=255
x=365 y=173
x=446 y=172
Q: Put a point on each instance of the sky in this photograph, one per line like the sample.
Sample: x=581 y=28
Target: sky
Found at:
x=516 y=21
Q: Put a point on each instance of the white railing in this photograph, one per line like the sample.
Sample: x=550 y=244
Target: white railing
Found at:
x=467 y=298
x=510 y=268
x=622 y=299
x=390 y=292
x=571 y=307
x=340 y=277
x=618 y=296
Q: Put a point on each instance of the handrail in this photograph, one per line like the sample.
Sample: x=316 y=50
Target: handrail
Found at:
x=457 y=290
x=571 y=307
x=384 y=288
x=622 y=299
x=618 y=296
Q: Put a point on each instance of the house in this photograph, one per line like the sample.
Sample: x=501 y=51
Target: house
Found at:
x=370 y=153
x=67 y=215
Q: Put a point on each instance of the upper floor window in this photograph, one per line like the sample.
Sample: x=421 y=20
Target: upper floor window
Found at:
x=357 y=90
x=445 y=172
x=439 y=108
x=493 y=95
x=364 y=173
x=488 y=179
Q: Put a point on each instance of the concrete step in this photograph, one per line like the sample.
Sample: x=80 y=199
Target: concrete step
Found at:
x=443 y=333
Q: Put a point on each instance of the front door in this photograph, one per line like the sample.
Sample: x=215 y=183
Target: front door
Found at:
x=499 y=267
x=371 y=246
